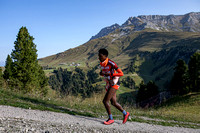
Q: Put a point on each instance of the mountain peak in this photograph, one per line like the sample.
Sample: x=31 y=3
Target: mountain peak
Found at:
x=189 y=22
x=105 y=31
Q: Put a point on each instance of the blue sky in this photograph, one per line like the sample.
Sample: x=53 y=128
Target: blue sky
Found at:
x=58 y=25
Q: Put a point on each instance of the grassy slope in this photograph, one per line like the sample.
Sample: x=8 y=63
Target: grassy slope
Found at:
x=125 y=49
x=119 y=49
x=180 y=111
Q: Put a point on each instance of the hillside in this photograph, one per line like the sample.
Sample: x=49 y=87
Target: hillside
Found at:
x=151 y=52
x=118 y=47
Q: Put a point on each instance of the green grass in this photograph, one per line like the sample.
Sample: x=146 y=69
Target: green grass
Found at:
x=181 y=108
x=166 y=123
x=123 y=90
x=183 y=111
x=15 y=99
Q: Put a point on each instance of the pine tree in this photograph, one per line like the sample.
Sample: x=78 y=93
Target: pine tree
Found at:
x=141 y=95
x=43 y=81
x=179 y=82
x=152 y=89
x=194 y=71
x=1 y=78
x=8 y=68
x=146 y=91
x=26 y=71
x=1 y=73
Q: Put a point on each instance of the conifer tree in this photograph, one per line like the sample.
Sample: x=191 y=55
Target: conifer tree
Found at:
x=179 y=82
x=43 y=81
x=152 y=89
x=8 y=68
x=26 y=71
x=146 y=91
x=1 y=73
x=194 y=71
x=1 y=78
x=141 y=92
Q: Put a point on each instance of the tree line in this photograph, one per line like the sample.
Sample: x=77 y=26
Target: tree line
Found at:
x=75 y=82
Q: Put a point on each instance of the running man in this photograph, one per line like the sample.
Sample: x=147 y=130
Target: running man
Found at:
x=111 y=72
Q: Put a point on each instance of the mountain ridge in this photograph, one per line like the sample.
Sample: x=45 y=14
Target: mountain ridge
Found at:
x=189 y=22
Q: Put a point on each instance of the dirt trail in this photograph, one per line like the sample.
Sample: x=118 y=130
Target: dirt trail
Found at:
x=14 y=119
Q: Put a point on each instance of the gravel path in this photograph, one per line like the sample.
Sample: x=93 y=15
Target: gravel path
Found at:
x=14 y=120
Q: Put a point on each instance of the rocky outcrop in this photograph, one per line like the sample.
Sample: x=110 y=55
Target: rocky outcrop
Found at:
x=105 y=31
x=178 y=23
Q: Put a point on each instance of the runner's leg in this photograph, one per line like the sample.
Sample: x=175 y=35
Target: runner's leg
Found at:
x=110 y=93
x=115 y=103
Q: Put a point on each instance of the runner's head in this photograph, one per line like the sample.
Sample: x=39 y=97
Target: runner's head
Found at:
x=103 y=54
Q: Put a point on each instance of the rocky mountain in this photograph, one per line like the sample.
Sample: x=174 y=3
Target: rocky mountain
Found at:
x=186 y=23
x=105 y=31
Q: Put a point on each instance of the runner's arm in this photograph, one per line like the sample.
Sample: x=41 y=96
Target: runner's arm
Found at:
x=120 y=73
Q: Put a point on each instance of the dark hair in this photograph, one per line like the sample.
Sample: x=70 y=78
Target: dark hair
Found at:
x=103 y=51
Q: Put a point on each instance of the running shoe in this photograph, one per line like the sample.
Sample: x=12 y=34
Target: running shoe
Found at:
x=126 y=117
x=108 y=122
